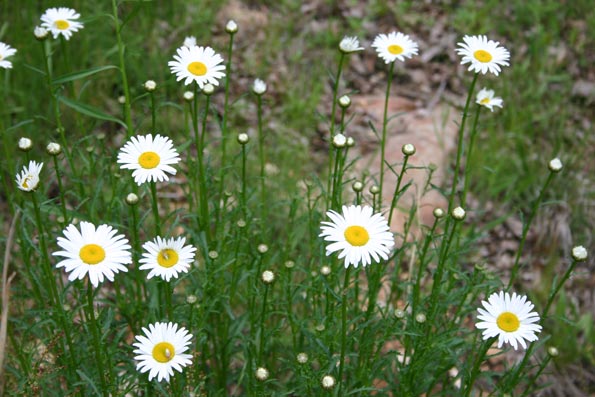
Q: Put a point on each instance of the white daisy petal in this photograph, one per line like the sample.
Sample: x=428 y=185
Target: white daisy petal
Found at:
x=394 y=46
x=166 y=258
x=483 y=55
x=358 y=235
x=61 y=21
x=96 y=252
x=200 y=64
x=28 y=179
x=149 y=158
x=510 y=318
x=161 y=350
x=5 y=52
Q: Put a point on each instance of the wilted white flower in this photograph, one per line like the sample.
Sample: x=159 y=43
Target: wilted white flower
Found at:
x=28 y=179
x=486 y=98
x=349 y=44
x=189 y=41
x=40 y=33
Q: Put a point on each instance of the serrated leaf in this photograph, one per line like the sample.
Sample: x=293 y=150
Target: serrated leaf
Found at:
x=82 y=74
x=89 y=110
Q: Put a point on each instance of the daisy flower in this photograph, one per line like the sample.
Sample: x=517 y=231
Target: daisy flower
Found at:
x=97 y=251
x=482 y=54
x=161 y=350
x=61 y=21
x=360 y=235
x=167 y=258
x=486 y=98
x=5 y=52
x=509 y=318
x=149 y=157
x=199 y=64
x=349 y=44
x=393 y=46
x=28 y=179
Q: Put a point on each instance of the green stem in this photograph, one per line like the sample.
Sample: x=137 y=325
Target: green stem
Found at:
x=527 y=224
x=421 y=268
x=263 y=201
x=332 y=129
x=343 y=329
x=396 y=194
x=262 y=318
x=475 y=370
x=121 y=50
x=556 y=289
x=468 y=157
x=461 y=137
x=245 y=186
x=96 y=340
x=155 y=207
x=384 y=126
x=60 y=190
x=201 y=177
x=153 y=113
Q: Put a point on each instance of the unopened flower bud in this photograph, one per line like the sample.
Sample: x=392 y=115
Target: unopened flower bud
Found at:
x=555 y=165
x=458 y=213
x=268 y=277
x=243 y=138
x=339 y=141
x=399 y=313
x=325 y=270
x=40 y=33
x=262 y=248
x=131 y=199
x=350 y=142
x=53 y=148
x=191 y=299
x=231 y=27
x=579 y=253
x=344 y=101
x=25 y=144
x=552 y=351
x=408 y=149
x=188 y=96
x=208 y=89
x=420 y=318
x=357 y=186
x=327 y=382
x=121 y=99
x=213 y=254
x=302 y=358
x=438 y=213
x=289 y=264
x=374 y=189
x=259 y=87
x=261 y=374
x=150 y=85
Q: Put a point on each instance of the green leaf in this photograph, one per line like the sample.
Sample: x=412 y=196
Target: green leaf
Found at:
x=82 y=74
x=89 y=110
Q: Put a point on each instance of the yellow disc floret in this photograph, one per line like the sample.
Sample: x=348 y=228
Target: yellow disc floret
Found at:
x=482 y=56
x=357 y=236
x=508 y=322
x=62 y=24
x=395 y=49
x=167 y=257
x=163 y=352
x=149 y=160
x=197 y=68
x=92 y=254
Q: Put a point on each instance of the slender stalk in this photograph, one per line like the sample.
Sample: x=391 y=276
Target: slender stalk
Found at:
x=332 y=129
x=468 y=157
x=123 y=75
x=201 y=177
x=244 y=187
x=343 y=329
x=556 y=289
x=542 y=367
x=393 y=203
x=96 y=340
x=224 y=137
x=261 y=154
x=153 y=113
x=421 y=268
x=60 y=190
x=262 y=318
x=475 y=370
x=155 y=207
x=384 y=126
x=461 y=137
x=526 y=226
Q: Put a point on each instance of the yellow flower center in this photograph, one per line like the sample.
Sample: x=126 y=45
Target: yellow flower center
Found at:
x=482 y=56
x=356 y=236
x=197 y=68
x=149 y=160
x=395 y=49
x=62 y=24
x=167 y=257
x=508 y=322
x=25 y=182
x=92 y=254
x=485 y=101
x=163 y=352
